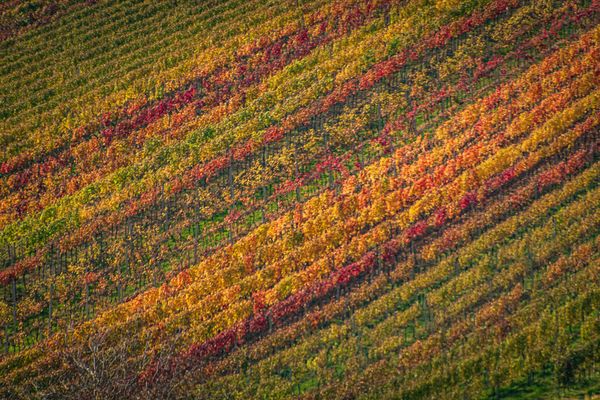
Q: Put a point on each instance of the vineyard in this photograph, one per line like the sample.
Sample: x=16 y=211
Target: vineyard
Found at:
x=300 y=199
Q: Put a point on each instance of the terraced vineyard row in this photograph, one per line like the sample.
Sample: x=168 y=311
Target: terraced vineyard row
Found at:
x=348 y=199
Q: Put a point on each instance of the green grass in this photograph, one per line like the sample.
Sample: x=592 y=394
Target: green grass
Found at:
x=544 y=386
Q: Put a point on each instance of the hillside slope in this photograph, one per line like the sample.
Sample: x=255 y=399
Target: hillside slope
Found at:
x=306 y=199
